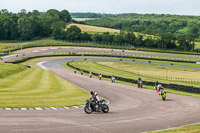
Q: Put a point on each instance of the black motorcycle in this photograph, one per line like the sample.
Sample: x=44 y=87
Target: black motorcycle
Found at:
x=93 y=105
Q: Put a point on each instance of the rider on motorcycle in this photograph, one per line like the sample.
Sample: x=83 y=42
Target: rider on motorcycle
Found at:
x=159 y=87
x=95 y=96
x=90 y=74
x=113 y=78
x=139 y=80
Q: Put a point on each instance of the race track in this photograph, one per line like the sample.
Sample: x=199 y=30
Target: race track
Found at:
x=131 y=110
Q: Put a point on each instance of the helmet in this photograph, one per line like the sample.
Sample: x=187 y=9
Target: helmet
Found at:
x=139 y=78
x=92 y=92
x=159 y=86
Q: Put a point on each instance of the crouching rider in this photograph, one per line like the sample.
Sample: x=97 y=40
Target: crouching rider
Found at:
x=95 y=96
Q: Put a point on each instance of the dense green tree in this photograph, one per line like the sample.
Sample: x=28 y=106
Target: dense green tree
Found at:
x=118 y=38
x=58 y=30
x=107 y=37
x=65 y=16
x=96 y=37
x=86 y=36
x=183 y=43
x=139 y=41
x=73 y=33
x=25 y=28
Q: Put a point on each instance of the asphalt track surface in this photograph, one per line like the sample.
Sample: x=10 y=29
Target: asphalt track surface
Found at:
x=131 y=110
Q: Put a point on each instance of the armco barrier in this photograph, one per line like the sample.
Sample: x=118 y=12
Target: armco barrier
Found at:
x=184 y=88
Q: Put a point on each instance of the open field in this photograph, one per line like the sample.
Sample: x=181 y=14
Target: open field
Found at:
x=93 y=29
x=83 y=19
x=186 y=129
x=36 y=87
x=148 y=72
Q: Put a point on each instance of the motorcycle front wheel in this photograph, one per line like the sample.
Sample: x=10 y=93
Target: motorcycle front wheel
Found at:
x=105 y=108
x=88 y=110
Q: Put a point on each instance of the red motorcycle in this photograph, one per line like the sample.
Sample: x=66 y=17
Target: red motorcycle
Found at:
x=100 y=76
x=140 y=84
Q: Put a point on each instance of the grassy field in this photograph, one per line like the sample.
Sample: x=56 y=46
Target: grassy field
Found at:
x=36 y=87
x=167 y=62
x=83 y=19
x=145 y=86
x=148 y=72
x=186 y=129
x=93 y=29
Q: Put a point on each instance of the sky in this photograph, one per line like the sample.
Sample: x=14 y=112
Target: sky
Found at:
x=179 y=7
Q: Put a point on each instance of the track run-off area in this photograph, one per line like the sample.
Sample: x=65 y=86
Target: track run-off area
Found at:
x=131 y=109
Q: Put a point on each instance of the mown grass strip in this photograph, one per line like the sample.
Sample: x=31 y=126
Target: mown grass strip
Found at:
x=36 y=87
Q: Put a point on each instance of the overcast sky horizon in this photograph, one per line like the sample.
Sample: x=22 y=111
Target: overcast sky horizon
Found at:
x=179 y=7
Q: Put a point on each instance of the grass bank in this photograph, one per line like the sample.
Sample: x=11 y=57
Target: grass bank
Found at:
x=8 y=69
x=148 y=72
x=144 y=86
x=36 y=87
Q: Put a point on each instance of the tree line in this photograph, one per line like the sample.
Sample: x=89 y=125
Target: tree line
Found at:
x=153 y=24
x=34 y=25
x=164 y=41
x=183 y=29
x=86 y=15
x=30 y=25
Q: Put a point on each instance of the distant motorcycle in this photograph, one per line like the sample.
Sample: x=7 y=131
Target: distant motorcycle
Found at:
x=93 y=106
x=113 y=79
x=162 y=94
x=90 y=74
x=100 y=77
x=140 y=84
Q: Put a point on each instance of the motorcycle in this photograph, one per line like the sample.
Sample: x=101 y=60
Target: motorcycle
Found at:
x=162 y=94
x=93 y=106
x=100 y=76
x=140 y=84
x=113 y=80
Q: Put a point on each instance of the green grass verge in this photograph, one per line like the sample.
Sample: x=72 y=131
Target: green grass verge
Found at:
x=8 y=69
x=186 y=129
x=166 y=62
x=36 y=87
x=144 y=86
x=148 y=72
